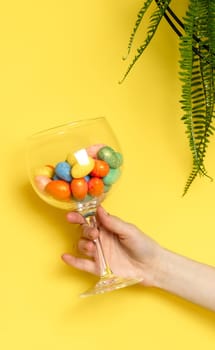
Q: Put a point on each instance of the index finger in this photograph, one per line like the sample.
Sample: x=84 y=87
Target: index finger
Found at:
x=75 y=218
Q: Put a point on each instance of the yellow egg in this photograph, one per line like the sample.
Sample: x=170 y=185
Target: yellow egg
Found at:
x=81 y=170
x=45 y=171
x=71 y=159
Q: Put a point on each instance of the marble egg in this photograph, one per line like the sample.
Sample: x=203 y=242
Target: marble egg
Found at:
x=101 y=168
x=59 y=189
x=71 y=159
x=93 y=150
x=81 y=170
x=46 y=170
x=63 y=171
x=95 y=187
x=41 y=181
x=114 y=159
x=79 y=188
x=112 y=176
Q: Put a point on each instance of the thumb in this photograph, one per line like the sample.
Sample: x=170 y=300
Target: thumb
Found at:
x=114 y=224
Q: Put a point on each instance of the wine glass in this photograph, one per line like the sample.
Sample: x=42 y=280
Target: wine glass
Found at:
x=74 y=167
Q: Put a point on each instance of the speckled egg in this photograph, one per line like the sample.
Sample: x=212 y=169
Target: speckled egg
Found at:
x=95 y=186
x=109 y=156
x=94 y=149
x=81 y=170
x=41 y=181
x=79 y=188
x=112 y=176
x=59 y=189
x=107 y=188
x=71 y=159
x=46 y=170
x=118 y=160
x=63 y=171
x=101 y=168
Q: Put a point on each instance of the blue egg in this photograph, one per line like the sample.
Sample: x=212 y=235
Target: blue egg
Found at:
x=87 y=178
x=63 y=171
x=55 y=177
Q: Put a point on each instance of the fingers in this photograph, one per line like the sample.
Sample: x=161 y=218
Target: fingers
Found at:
x=75 y=218
x=87 y=247
x=115 y=224
x=80 y=264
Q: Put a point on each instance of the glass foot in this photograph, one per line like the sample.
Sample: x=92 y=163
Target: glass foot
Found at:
x=110 y=283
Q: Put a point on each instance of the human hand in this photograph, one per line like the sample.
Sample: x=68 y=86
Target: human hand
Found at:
x=129 y=252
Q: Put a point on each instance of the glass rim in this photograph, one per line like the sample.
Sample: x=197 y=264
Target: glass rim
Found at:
x=68 y=124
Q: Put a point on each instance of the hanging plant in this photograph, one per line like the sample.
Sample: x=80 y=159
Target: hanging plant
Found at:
x=196 y=69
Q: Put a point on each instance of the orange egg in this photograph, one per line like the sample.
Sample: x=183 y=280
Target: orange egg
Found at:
x=95 y=186
x=79 y=188
x=59 y=189
x=101 y=168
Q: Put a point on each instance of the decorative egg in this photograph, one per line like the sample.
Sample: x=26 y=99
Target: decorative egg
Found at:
x=107 y=188
x=105 y=153
x=87 y=198
x=101 y=168
x=116 y=161
x=50 y=166
x=112 y=176
x=79 y=188
x=58 y=189
x=47 y=170
x=81 y=170
x=95 y=186
x=93 y=150
x=63 y=171
x=71 y=159
x=55 y=177
x=41 y=181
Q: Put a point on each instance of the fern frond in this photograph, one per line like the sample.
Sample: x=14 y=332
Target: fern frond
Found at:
x=140 y=16
x=197 y=72
x=154 y=22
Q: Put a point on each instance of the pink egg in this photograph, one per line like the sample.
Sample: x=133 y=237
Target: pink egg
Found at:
x=41 y=181
x=93 y=150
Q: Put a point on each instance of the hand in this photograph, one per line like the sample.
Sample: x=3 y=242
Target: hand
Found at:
x=129 y=252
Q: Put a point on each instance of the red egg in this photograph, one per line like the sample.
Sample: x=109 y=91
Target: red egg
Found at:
x=79 y=188
x=101 y=168
x=95 y=186
x=59 y=189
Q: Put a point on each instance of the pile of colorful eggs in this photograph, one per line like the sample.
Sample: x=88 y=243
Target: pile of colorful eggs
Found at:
x=84 y=174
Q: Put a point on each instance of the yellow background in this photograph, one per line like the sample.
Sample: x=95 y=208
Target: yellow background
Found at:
x=61 y=61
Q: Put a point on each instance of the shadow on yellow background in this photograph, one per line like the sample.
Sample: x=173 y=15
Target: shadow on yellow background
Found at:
x=61 y=61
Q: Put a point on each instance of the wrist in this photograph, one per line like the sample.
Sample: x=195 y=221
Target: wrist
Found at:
x=163 y=269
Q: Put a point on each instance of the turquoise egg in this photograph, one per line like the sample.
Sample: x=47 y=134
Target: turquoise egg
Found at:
x=112 y=176
x=63 y=171
x=107 y=188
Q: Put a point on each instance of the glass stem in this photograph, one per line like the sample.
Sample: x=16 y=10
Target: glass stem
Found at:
x=104 y=267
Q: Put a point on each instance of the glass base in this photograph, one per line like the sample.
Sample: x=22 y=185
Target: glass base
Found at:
x=110 y=283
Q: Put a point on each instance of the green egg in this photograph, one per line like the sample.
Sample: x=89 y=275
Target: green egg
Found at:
x=120 y=158
x=114 y=159
x=112 y=176
x=87 y=198
x=107 y=188
x=105 y=153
